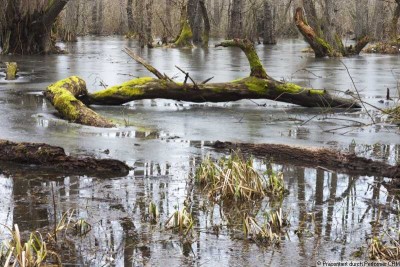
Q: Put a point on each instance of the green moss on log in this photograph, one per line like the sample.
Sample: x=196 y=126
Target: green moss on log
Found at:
x=62 y=95
x=289 y=88
x=316 y=92
x=130 y=88
x=259 y=86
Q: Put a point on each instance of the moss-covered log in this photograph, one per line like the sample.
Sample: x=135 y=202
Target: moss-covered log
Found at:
x=54 y=158
x=11 y=70
x=257 y=86
x=319 y=44
x=247 y=88
x=63 y=95
x=315 y=158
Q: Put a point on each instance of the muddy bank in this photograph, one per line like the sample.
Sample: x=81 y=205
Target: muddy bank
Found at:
x=52 y=157
x=321 y=158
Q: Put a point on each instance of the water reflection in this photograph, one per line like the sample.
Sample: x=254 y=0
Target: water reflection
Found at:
x=330 y=216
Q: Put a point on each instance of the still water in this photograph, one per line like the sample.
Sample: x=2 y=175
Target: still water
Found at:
x=164 y=141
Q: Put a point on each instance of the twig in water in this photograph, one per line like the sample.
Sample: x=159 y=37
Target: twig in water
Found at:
x=358 y=93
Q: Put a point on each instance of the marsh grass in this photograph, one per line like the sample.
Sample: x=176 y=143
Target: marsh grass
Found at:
x=181 y=221
x=234 y=177
x=271 y=231
x=381 y=250
x=33 y=252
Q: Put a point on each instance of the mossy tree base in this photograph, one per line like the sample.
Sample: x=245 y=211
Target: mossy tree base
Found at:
x=320 y=46
x=63 y=95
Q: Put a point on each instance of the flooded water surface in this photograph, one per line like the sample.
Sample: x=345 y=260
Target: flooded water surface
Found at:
x=332 y=216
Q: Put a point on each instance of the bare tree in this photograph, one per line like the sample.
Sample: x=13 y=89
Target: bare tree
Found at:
x=362 y=19
x=269 y=36
x=235 y=29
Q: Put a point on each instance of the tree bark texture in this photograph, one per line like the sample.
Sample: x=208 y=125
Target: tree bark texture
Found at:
x=27 y=29
x=395 y=21
x=362 y=19
x=236 y=28
x=269 y=36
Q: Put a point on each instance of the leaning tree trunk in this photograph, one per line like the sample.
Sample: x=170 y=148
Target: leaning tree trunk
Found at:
x=269 y=36
x=326 y=43
x=63 y=94
x=25 y=28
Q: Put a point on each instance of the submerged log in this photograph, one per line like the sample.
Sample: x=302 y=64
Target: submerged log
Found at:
x=327 y=159
x=63 y=95
x=11 y=70
x=53 y=157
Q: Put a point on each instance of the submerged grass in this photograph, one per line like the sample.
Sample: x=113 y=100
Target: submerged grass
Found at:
x=234 y=177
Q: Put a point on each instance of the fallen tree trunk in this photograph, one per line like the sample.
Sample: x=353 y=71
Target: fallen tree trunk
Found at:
x=54 y=158
x=63 y=94
x=257 y=86
x=315 y=158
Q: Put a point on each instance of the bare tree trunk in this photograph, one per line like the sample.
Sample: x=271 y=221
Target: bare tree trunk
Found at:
x=195 y=19
x=394 y=22
x=236 y=20
x=269 y=24
x=131 y=21
x=311 y=13
x=207 y=26
x=27 y=30
x=70 y=22
x=331 y=25
x=379 y=20
x=216 y=13
x=362 y=19
x=149 y=33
